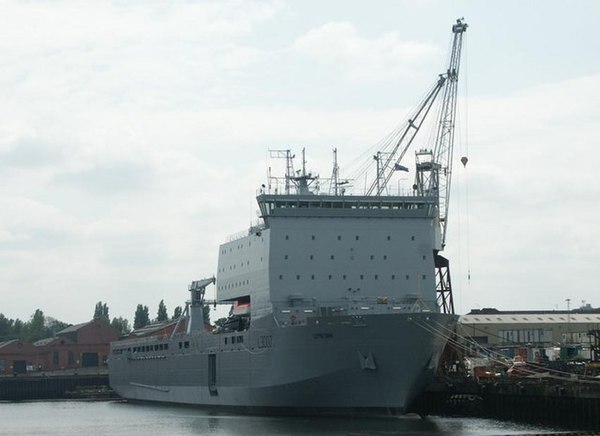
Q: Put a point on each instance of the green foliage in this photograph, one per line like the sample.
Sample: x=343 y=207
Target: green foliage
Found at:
x=177 y=313
x=220 y=322
x=101 y=311
x=142 y=317
x=7 y=329
x=53 y=325
x=34 y=329
x=121 y=325
x=38 y=327
x=162 y=314
x=206 y=314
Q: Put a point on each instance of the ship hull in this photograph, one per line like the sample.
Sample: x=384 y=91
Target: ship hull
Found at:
x=371 y=363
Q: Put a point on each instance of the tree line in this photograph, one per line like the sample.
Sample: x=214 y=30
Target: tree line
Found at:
x=41 y=326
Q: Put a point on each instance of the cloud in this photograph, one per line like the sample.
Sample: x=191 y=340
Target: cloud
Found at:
x=338 y=44
x=531 y=197
x=62 y=54
x=135 y=136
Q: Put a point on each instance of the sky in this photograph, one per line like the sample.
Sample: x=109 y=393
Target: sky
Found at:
x=134 y=136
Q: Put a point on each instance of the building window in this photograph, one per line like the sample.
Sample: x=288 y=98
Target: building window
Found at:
x=287 y=237
x=339 y=237
x=285 y=257
x=412 y=238
x=393 y=277
x=376 y=276
x=424 y=257
x=423 y=276
x=55 y=357
x=356 y=237
x=407 y=277
x=312 y=277
x=313 y=237
x=331 y=257
x=372 y=257
x=384 y=257
x=361 y=276
x=225 y=341
x=329 y=276
x=70 y=357
x=298 y=277
x=311 y=257
x=280 y=277
x=344 y=276
x=389 y=237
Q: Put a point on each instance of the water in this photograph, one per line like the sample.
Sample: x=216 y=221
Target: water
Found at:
x=119 y=418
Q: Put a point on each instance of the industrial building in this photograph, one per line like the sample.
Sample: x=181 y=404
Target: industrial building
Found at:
x=550 y=335
x=77 y=346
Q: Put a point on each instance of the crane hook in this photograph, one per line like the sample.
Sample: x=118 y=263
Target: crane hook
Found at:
x=464 y=160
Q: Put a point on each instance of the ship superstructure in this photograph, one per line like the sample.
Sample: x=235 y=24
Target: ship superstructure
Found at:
x=334 y=296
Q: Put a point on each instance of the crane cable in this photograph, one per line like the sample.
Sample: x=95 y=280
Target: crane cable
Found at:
x=465 y=343
x=466 y=157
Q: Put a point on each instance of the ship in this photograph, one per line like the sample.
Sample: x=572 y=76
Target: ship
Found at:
x=340 y=301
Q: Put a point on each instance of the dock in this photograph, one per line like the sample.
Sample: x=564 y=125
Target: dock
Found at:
x=82 y=384
x=565 y=404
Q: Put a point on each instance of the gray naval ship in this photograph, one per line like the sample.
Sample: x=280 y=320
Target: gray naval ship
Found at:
x=340 y=302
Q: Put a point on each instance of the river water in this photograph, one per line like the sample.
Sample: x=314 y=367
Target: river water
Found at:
x=121 y=418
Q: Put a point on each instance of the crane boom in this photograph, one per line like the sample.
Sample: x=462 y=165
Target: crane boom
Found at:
x=409 y=132
x=434 y=168
x=444 y=144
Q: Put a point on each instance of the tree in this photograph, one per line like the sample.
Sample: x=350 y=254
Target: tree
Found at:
x=52 y=326
x=206 y=314
x=142 y=317
x=177 y=313
x=162 y=314
x=6 y=328
x=18 y=329
x=121 y=325
x=34 y=329
x=101 y=311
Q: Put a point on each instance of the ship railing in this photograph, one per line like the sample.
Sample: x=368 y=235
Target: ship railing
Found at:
x=278 y=187
x=297 y=311
x=254 y=229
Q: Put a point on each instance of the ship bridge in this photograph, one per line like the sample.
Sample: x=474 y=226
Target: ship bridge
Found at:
x=289 y=205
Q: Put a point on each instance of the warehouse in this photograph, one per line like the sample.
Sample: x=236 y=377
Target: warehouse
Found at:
x=551 y=334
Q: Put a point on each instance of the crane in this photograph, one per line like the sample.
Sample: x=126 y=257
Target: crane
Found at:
x=434 y=167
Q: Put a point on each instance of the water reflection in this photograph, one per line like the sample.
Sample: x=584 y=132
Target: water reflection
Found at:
x=121 y=418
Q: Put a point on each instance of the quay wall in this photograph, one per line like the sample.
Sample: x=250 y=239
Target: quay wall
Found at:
x=45 y=387
x=563 y=404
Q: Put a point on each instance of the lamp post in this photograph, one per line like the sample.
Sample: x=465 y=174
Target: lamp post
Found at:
x=568 y=300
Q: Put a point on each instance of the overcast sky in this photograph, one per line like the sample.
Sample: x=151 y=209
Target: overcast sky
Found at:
x=133 y=136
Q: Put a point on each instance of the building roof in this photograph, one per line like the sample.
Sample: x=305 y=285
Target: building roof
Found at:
x=531 y=318
x=74 y=327
x=149 y=329
x=6 y=343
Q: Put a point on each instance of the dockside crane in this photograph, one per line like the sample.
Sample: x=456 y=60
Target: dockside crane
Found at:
x=433 y=166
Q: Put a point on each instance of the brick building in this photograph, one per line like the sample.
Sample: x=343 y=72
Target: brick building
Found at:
x=78 y=346
x=17 y=356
